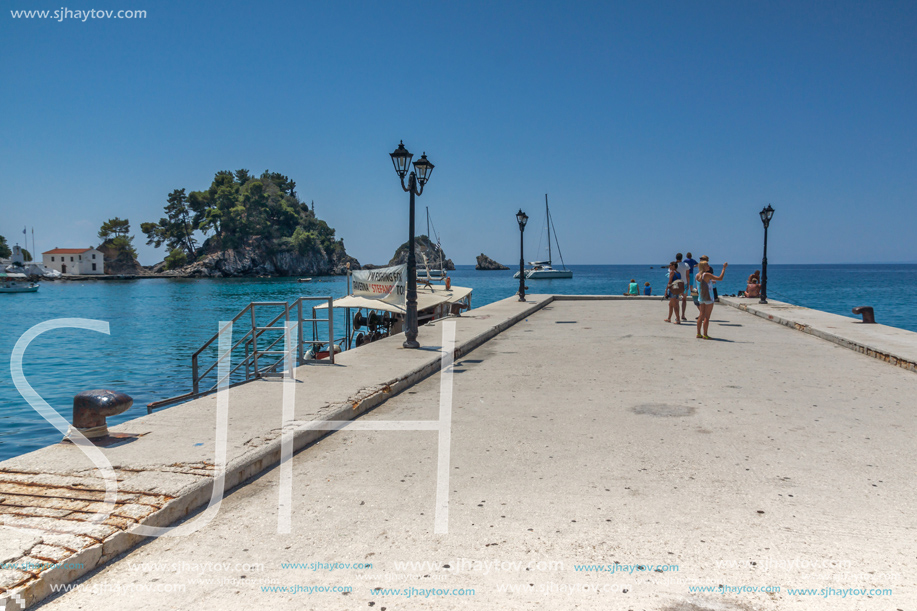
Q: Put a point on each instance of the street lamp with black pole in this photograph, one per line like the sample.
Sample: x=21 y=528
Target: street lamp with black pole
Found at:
x=417 y=179
x=522 y=218
x=766 y=215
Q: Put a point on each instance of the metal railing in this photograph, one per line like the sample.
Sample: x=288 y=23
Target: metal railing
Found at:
x=263 y=352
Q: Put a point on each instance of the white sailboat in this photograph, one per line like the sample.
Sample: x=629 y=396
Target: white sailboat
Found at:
x=438 y=273
x=542 y=270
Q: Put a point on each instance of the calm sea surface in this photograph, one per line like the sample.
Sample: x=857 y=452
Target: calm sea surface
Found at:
x=157 y=324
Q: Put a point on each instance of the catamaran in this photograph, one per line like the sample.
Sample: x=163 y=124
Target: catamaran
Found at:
x=542 y=270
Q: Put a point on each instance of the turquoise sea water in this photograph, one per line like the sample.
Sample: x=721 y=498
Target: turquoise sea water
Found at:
x=156 y=324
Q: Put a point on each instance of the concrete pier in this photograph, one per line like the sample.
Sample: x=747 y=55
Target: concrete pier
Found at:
x=599 y=458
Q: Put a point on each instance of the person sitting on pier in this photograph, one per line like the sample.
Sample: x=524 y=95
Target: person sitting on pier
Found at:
x=754 y=285
x=633 y=288
x=647 y=289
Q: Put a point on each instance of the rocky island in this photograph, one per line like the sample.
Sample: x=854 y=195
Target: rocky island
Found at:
x=487 y=264
x=252 y=226
x=423 y=248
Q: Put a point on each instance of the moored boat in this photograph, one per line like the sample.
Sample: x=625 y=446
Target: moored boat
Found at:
x=369 y=319
x=11 y=282
x=426 y=275
x=542 y=270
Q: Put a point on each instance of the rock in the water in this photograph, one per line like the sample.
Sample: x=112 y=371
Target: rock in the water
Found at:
x=117 y=262
x=423 y=246
x=488 y=264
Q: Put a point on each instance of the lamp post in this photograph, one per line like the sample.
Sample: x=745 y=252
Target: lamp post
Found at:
x=522 y=218
x=401 y=158
x=766 y=215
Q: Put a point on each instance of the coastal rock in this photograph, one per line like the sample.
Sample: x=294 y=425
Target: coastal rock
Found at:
x=488 y=264
x=255 y=261
x=117 y=262
x=423 y=247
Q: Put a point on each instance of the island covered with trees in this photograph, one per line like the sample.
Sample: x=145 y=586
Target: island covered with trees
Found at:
x=245 y=225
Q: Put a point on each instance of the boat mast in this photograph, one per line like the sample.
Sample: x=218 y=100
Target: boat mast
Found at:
x=547 y=214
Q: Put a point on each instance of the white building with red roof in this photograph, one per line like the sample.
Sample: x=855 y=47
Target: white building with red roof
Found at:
x=75 y=261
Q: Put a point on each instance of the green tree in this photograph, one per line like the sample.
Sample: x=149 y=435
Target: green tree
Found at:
x=240 y=209
x=26 y=255
x=113 y=228
x=176 y=229
x=115 y=234
x=5 y=251
x=176 y=258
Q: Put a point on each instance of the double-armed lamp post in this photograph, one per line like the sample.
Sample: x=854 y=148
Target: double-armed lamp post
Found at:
x=417 y=179
x=522 y=218
x=766 y=215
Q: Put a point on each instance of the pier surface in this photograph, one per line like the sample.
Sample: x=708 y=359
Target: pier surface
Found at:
x=600 y=459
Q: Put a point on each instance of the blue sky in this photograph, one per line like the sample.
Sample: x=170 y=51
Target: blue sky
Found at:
x=653 y=126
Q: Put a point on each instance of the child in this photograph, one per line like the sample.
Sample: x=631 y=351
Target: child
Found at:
x=647 y=289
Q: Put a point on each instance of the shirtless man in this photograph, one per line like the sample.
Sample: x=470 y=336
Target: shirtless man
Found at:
x=683 y=269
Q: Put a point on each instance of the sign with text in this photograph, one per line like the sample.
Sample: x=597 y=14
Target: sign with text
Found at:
x=386 y=284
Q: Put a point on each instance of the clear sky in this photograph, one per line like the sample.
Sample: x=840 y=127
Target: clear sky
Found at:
x=653 y=126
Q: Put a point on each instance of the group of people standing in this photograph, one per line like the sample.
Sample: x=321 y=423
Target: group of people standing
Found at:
x=696 y=278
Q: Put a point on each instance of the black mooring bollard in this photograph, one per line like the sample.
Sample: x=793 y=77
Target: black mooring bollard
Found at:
x=91 y=407
x=869 y=316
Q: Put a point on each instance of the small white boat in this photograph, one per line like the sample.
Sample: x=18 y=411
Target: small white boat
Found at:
x=305 y=279
x=542 y=270
x=11 y=282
